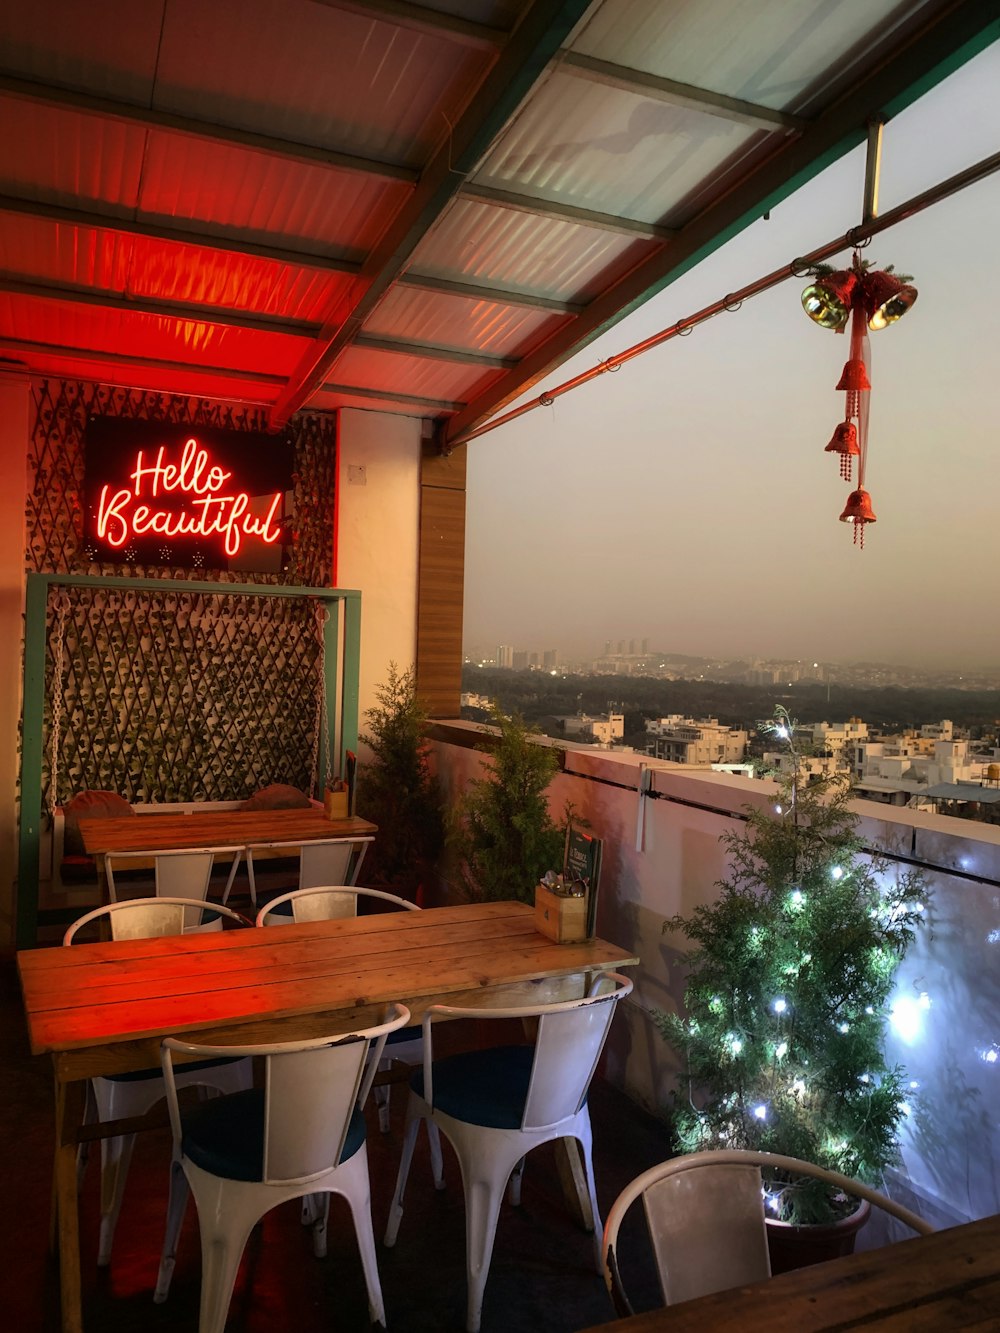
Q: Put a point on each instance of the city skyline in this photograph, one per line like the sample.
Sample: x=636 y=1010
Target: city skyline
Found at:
x=485 y=653
x=690 y=492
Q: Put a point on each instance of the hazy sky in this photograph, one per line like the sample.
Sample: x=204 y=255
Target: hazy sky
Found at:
x=687 y=498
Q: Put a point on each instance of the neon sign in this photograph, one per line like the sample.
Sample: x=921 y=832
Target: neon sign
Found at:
x=158 y=493
x=209 y=511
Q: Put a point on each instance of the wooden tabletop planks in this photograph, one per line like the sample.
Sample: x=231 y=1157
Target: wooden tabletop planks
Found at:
x=167 y=832
x=97 y=995
x=931 y=1284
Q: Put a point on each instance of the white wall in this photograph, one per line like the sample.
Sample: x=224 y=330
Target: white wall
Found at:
x=379 y=513
x=951 y=1140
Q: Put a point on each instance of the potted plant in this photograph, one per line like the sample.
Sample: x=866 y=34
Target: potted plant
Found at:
x=789 y=976
x=504 y=837
x=396 y=788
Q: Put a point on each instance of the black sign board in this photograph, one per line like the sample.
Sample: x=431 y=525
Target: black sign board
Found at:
x=157 y=493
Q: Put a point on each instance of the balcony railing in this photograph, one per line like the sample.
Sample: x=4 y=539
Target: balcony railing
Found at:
x=661 y=825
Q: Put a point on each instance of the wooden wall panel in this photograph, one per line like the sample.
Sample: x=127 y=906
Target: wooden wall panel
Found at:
x=441 y=580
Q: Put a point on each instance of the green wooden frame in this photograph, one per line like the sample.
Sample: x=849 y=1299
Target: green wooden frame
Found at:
x=343 y=664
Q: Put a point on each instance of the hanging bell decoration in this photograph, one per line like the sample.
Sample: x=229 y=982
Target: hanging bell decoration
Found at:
x=887 y=298
x=854 y=377
x=845 y=443
x=858 y=511
x=870 y=299
x=828 y=299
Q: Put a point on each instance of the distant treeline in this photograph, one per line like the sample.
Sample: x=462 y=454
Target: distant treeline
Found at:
x=540 y=698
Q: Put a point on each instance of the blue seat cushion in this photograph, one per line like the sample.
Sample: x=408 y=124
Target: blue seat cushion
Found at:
x=139 y=1075
x=225 y=1136
x=403 y=1034
x=486 y=1088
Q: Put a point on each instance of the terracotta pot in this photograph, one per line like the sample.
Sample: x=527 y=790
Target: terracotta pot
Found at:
x=797 y=1247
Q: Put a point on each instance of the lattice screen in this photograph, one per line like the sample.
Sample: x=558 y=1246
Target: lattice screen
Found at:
x=172 y=695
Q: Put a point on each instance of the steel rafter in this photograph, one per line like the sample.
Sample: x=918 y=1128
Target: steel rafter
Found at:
x=525 y=59
x=17 y=285
x=417 y=18
x=171 y=122
x=229 y=242
x=563 y=212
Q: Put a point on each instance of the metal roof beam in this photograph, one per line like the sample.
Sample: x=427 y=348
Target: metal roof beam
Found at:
x=417 y=18
x=680 y=94
x=527 y=56
x=408 y=399
x=499 y=295
x=906 y=71
x=67 y=353
x=147 y=305
x=549 y=208
x=437 y=352
x=230 y=243
x=128 y=113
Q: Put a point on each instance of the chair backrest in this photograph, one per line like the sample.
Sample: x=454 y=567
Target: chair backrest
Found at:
x=568 y=1043
x=330 y=861
x=144 y=918
x=311 y=1089
x=705 y=1216
x=181 y=873
x=335 y=862
x=326 y=903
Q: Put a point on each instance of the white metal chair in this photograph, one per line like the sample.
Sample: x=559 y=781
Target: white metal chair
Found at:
x=331 y=861
x=495 y=1105
x=181 y=873
x=125 y=1095
x=706 y=1221
x=334 y=902
x=324 y=902
x=302 y=1134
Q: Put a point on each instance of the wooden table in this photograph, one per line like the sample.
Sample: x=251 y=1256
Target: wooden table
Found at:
x=211 y=828
x=215 y=828
x=931 y=1284
x=104 y=1008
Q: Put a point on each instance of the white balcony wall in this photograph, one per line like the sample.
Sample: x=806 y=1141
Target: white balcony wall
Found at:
x=951 y=1138
x=378 y=500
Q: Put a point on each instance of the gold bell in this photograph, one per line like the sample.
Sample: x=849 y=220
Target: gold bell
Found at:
x=886 y=298
x=858 y=511
x=845 y=443
x=827 y=300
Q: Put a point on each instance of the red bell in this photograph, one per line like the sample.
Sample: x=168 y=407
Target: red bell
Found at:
x=845 y=443
x=858 y=511
x=885 y=297
x=854 y=377
x=827 y=300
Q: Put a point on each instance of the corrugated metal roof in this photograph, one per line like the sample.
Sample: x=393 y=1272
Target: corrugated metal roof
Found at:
x=503 y=248
x=461 y=321
x=330 y=203
x=615 y=151
x=763 y=51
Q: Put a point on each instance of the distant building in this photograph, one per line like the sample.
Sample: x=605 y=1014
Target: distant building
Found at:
x=470 y=700
x=682 y=740
x=550 y=659
x=603 y=730
x=519 y=661
x=505 y=656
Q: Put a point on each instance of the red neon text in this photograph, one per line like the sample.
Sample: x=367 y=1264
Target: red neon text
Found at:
x=207 y=513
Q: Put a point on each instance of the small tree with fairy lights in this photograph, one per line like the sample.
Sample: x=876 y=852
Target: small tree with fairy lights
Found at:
x=788 y=985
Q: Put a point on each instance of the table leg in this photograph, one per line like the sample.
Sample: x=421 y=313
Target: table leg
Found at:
x=70 y=1098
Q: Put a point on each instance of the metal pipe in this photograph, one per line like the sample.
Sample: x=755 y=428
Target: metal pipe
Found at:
x=856 y=236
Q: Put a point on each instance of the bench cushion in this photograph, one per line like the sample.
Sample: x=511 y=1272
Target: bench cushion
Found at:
x=90 y=805
x=279 y=796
